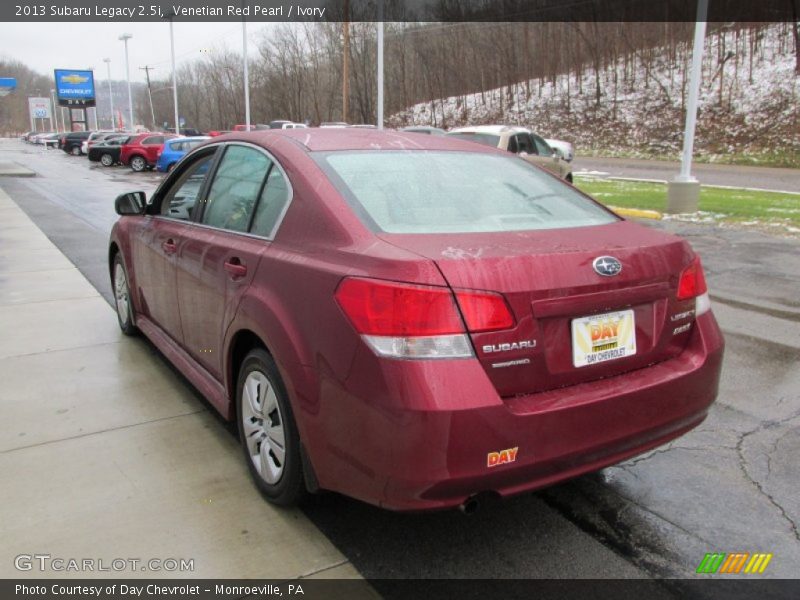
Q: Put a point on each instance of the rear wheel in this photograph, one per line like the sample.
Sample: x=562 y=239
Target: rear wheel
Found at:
x=267 y=430
x=75 y=151
x=122 y=297
x=138 y=164
x=106 y=160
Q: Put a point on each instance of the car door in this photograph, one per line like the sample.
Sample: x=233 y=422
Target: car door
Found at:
x=151 y=145
x=241 y=204
x=159 y=240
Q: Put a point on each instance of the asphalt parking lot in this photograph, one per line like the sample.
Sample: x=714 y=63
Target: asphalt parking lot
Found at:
x=728 y=486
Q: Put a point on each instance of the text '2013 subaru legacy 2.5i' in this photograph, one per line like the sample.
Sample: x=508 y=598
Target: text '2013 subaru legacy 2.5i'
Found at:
x=413 y=320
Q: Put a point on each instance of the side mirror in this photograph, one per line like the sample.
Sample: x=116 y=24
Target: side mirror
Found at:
x=131 y=203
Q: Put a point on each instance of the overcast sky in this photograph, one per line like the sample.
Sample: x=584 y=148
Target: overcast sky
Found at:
x=47 y=46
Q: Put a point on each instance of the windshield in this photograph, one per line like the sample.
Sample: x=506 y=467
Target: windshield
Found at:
x=487 y=139
x=456 y=192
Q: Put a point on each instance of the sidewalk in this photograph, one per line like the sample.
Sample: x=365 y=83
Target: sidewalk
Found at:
x=106 y=453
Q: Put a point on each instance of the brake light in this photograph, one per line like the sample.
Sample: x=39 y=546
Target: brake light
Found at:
x=692 y=282
x=384 y=308
x=484 y=311
x=400 y=320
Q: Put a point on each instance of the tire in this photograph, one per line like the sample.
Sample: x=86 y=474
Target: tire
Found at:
x=75 y=151
x=259 y=388
x=138 y=163
x=170 y=167
x=568 y=178
x=107 y=160
x=122 y=297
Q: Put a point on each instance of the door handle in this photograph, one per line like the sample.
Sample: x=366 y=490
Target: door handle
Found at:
x=169 y=246
x=235 y=268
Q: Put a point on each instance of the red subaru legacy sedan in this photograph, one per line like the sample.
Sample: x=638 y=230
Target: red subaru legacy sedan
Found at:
x=413 y=321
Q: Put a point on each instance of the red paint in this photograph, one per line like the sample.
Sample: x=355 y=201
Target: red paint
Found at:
x=417 y=434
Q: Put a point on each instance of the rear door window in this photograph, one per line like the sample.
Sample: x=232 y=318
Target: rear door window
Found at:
x=235 y=188
x=271 y=204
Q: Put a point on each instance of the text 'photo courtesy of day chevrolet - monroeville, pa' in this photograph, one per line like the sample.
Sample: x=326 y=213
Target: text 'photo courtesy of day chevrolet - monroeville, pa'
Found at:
x=400 y=299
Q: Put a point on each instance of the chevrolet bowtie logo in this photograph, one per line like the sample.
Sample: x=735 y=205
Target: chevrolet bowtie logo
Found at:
x=74 y=78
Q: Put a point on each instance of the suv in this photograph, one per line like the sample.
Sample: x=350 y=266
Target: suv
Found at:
x=71 y=142
x=142 y=151
x=520 y=141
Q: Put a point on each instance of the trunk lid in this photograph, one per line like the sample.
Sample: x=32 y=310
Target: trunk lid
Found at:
x=548 y=279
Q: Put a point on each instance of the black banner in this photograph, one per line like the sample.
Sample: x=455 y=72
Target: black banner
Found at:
x=394 y=10
x=744 y=587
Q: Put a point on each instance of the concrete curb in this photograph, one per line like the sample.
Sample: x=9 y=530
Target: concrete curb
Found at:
x=637 y=212
x=12 y=169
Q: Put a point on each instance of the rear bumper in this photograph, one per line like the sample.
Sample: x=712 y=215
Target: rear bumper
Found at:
x=423 y=441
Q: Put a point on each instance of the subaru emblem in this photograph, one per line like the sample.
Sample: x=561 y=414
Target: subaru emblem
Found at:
x=607 y=266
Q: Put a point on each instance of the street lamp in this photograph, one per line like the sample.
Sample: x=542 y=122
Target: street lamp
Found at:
x=246 y=75
x=124 y=38
x=110 y=93
x=174 y=74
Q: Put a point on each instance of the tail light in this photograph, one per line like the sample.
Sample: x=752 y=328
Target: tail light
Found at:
x=401 y=320
x=692 y=284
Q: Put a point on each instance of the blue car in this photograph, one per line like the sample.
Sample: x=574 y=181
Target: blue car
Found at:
x=174 y=150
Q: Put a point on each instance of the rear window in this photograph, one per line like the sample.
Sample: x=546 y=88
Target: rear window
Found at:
x=456 y=192
x=487 y=139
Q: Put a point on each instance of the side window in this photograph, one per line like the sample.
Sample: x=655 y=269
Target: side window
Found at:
x=180 y=200
x=271 y=203
x=542 y=147
x=513 y=147
x=235 y=188
x=154 y=139
x=525 y=143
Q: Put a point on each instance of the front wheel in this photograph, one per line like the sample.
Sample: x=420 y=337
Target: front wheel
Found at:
x=106 y=160
x=569 y=178
x=267 y=430
x=138 y=164
x=122 y=297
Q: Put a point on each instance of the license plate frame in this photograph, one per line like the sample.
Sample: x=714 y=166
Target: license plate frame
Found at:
x=604 y=337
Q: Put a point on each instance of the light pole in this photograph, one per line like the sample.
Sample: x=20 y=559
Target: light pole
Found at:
x=94 y=108
x=246 y=76
x=174 y=76
x=124 y=38
x=380 y=64
x=110 y=93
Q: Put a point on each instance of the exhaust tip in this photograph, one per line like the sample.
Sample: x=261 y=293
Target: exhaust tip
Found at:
x=470 y=506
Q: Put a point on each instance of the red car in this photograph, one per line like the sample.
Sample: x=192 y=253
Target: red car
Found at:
x=413 y=321
x=142 y=151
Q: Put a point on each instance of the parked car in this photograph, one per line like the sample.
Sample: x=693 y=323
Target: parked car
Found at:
x=424 y=129
x=175 y=149
x=187 y=131
x=71 y=142
x=517 y=140
x=414 y=325
x=562 y=148
x=141 y=151
x=217 y=132
x=253 y=127
x=38 y=138
x=333 y=125
x=99 y=136
x=282 y=124
x=107 y=152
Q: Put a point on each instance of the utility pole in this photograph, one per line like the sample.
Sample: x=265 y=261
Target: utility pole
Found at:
x=346 y=61
x=380 y=64
x=174 y=75
x=146 y=70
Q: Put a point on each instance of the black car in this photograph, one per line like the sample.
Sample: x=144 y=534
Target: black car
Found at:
x=71 y=142
x=107 y=151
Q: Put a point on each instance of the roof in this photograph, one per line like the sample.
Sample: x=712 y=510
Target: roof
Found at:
x=493 y=129
x=326 y=140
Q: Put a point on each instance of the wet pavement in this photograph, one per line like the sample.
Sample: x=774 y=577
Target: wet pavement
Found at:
x=765 y=178
x=728 y=486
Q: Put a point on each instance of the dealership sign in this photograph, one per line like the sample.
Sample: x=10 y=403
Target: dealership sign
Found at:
x=39 y=108
x=7 y=84
x=74 y=87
